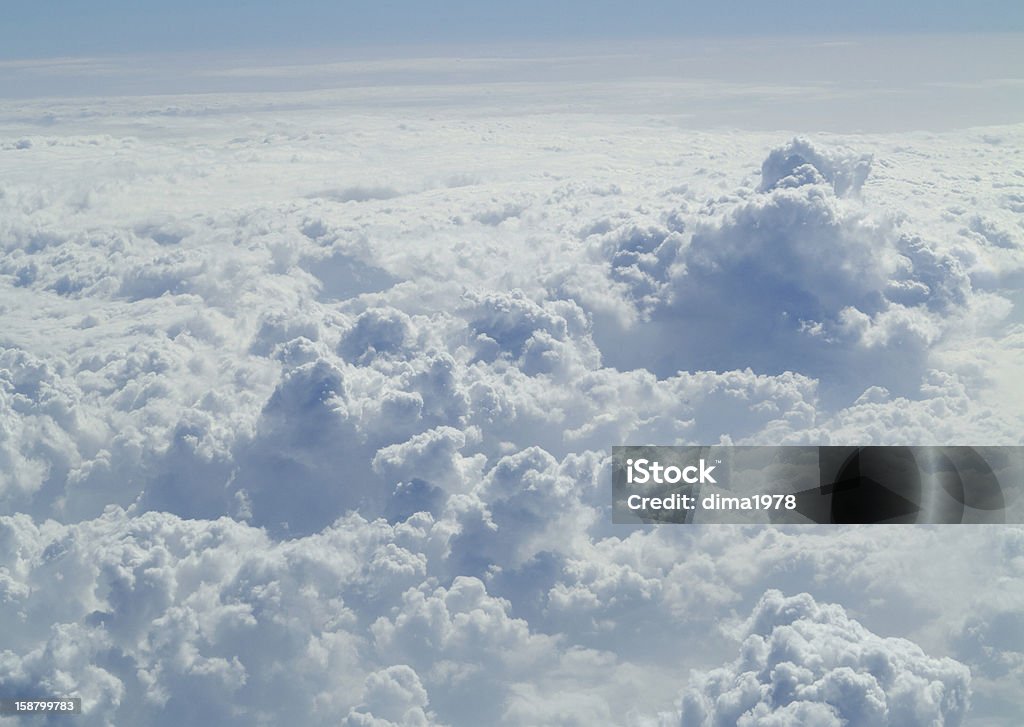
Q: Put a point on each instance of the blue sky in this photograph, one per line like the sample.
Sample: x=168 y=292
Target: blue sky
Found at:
x=67 y=28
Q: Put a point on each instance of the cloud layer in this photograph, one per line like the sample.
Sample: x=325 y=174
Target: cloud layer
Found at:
x=307 y=416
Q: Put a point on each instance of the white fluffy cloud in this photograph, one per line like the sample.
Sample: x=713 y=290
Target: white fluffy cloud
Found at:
x=811 y=664
x=802 y=273
x=391 y=697
x=306 y=415
x=168 y=619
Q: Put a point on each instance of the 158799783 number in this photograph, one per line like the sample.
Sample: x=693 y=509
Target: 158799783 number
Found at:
x=72 y=705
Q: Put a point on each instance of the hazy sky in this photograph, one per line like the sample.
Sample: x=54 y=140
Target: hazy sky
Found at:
x=71 y=27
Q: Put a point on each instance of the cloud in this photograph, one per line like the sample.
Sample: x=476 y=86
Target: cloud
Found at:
x=799 y=163
x=344 y=455
x=990 y=636
x=805 y=663
x=377 y=332
x=163 y=618
x=391 y=697
x=171 y=619
x=801 y=274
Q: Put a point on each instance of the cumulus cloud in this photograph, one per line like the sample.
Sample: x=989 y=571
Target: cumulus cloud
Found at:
x=269 y=452
x=806 y=663
x=168 y=619
x=799 y=163
x=391 y=697
x=802 y=273
x=540 y=338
